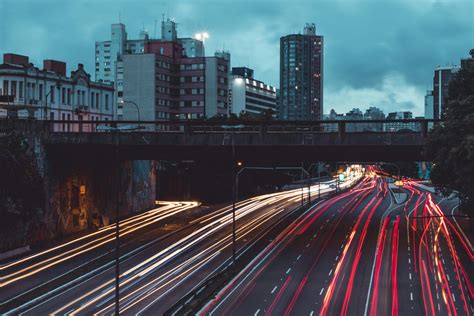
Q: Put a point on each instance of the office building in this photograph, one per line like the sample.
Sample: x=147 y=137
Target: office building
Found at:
x=249 y=95
x=301 y=76
x=441 y=79
x=27 y=91
x=429 y=114
x=397 y=126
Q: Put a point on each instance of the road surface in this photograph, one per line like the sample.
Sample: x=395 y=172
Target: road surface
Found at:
x=360 y=253
x=165 y=253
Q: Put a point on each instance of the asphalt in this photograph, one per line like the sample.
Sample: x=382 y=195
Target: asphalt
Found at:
x=165 y=253
x=359 y=253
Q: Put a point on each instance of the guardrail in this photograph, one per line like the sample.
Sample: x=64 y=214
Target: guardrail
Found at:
x=195 y=126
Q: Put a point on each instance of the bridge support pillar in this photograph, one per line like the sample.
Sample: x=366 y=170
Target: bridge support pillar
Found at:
x=341 y=128
x=424 y=128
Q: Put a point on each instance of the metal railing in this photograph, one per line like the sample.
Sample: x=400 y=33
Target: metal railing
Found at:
x=251 y=127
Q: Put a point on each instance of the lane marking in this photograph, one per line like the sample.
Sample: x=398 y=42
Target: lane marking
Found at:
x=409 y=261
x=298 y=257
x=288 y=271
x=337 y=257
x=256 y=313
x=330 y=272
x=447 y=276
x=311 y=314
x=411 y=296
x=274 y=289
x=454 y=298
x=320 y=293
x=409 y=275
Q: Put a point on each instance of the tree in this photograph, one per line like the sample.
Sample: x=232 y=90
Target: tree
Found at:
x=451 y=144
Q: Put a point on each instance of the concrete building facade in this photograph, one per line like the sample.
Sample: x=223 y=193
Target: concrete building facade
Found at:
x=301 y=76
x=401 y=115
x=442 y=77
x=27 y=91
x=109 y=54
x=167 y=85
x=249 y=95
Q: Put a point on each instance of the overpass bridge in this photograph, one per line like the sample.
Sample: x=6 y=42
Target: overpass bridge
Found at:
x=273 y=142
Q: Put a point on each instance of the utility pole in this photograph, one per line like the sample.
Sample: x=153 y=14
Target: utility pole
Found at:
x=117 y=227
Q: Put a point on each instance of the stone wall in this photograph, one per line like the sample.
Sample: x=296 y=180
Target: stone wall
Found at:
x=43 y=197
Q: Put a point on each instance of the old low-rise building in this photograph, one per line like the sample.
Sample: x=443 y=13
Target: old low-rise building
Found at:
x=49 y=94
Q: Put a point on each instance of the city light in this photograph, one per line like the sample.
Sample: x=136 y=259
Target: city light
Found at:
x=202 y=36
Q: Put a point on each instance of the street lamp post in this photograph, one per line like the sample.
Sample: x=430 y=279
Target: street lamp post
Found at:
x=307 y=175
x=234 y=192
x=136 y=106
x=398 y=176
x=117 y=131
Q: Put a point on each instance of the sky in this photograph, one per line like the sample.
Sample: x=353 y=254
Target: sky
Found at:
x=376 y=52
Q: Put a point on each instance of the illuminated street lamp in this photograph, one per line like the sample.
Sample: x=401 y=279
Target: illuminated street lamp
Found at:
x=202 y=36
x=117 y=131
x=136 y=106
x=234 y=176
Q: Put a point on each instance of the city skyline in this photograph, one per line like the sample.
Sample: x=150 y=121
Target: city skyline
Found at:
x=381 y=72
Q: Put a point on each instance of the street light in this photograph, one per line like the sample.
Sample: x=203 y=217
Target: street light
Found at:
x=136 y=106
x=117 y=131
x=202 y=36
x=234 y=176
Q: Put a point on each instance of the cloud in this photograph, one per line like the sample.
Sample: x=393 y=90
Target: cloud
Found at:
x=394 y=93
x=365 y=40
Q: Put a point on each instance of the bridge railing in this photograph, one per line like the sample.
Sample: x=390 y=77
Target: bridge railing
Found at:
x=199 y=127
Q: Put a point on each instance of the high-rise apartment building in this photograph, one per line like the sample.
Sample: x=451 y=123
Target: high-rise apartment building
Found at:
x=301 y=76
x=429 y=107
x=109 y=54
x=441 y=79
x=249 y=95
x=166 y=83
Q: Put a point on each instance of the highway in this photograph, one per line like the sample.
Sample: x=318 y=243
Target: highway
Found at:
x=360 y=253
x=165 y=253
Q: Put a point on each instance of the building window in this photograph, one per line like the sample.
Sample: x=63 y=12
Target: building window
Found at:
x=69 y=96
x=92 y=99
x=63 y=95
x=40 y=92
x=97 y=100
x=20 y=89
x=51 y=94
x=5 y=87
x=106 y=101
x=14 y=88
x=83 y=97
x=78 y=97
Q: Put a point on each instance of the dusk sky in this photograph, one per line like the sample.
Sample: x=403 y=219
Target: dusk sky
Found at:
x=377 y=53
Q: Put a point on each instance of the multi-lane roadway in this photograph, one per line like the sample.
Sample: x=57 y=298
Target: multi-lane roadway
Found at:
x=165 y=253
x=362 y=252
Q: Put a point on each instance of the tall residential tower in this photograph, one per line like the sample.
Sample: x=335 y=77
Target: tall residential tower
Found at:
x=301 y=76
